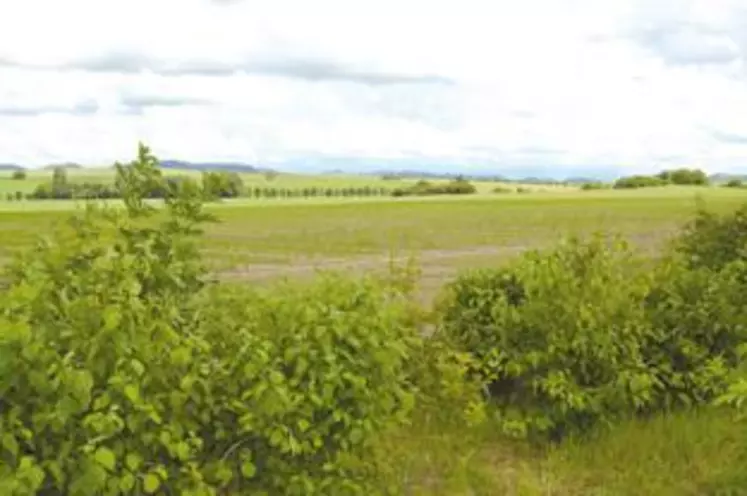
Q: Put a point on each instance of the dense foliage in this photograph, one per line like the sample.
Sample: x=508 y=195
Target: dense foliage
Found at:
x=685 y=177
x=597 y=185
x=556 y=335
x=638 y=181
x=123 y=371
x=581 y=334
x=682 y=177
x=456 y=186
x=215 y=185
x=735 y=183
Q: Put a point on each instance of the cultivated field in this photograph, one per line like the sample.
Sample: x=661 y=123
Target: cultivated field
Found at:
x=281 y=180
x=258 y=242
x=266 y=239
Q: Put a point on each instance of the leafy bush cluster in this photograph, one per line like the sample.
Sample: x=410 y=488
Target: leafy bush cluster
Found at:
x=456 y=186
x=61 y=188
x=682 y=177
x=581 y=334
x=638 y=181
x=594 y=186
x=123 y=370
x=735 y=183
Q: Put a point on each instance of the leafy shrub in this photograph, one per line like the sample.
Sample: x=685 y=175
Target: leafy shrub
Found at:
x=19 y=175
x=221 y=184
x=123 y=371
x=734 y=183
x=698 y=321
x=708 y=314
x=713 y=241
x=456 y=186
x=639 y=181
x=684 y=177
x=593 y=186
x=556 y=335
x=503 y=190
x=335 y=358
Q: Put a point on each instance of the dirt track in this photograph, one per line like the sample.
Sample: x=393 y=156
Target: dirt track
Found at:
x=436 y=266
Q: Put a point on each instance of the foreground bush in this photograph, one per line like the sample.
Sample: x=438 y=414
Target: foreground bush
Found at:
x=123 y=371
x=582 y=334
x=713 y=241
x=697 y=324
x=557 y=336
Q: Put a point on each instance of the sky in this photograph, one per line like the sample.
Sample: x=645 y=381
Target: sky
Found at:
x=570 y=86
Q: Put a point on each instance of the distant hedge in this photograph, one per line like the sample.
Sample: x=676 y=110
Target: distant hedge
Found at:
x=682 y=177
x=424 y=188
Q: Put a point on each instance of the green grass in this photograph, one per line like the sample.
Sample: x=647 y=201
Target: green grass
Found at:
x=695 y=453
x=293 y=229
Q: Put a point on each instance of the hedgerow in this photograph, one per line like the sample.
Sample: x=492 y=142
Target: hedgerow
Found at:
x=458 y=186
x=123 y=370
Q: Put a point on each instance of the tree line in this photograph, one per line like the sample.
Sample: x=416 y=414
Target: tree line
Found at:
x=214 y=185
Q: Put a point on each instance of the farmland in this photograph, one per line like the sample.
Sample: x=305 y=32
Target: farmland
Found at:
x=452 y=442
x=258 y=239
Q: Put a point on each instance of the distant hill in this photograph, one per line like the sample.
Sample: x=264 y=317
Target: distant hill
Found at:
x=64 y=165
x=414 y=174
x=10 y=167
x=486 y=176
x=580 y=180
x=723 y=177
x=212 y=166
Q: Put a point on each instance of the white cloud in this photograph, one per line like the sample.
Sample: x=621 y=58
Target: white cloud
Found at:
x=576 y=84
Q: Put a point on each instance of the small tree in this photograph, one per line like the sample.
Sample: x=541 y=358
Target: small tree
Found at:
x=59 y=177
x=19 y=175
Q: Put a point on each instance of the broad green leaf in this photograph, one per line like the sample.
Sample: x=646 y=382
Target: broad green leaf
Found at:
x=106 y=458
x=151 y=483
x=248 y=470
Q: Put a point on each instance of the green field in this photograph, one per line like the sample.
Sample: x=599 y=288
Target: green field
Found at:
x=259 y=241
x=281 y=180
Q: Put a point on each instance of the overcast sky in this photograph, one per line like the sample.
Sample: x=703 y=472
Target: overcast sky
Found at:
x=481 y=83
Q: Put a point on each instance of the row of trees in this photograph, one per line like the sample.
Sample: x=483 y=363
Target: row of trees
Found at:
x=215 y=185
x=219 y=185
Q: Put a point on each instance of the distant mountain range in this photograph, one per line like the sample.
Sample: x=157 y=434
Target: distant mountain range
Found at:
x=413 y=174
x=723 y=177
x=65 y=165
x=408 y=169
x=212 y=166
